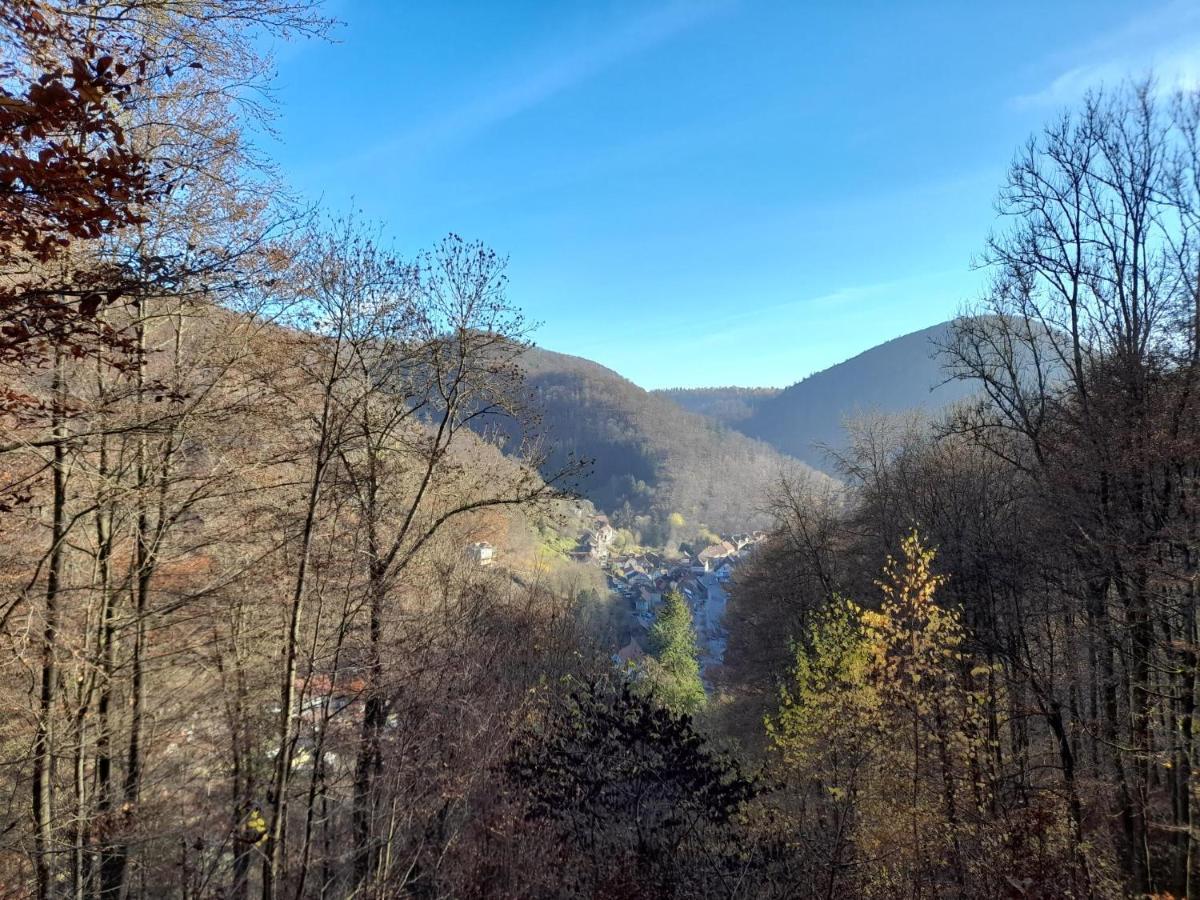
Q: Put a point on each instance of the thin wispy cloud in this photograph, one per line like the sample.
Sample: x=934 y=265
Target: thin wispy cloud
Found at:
x=533 y=85
x=1164 y=43
x=745 y=321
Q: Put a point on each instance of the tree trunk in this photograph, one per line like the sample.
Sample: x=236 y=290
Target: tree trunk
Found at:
x=43 y=742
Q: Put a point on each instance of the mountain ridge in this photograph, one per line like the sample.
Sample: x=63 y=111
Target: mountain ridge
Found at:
x=652 y=458
x=898 y=375
x=711 y=454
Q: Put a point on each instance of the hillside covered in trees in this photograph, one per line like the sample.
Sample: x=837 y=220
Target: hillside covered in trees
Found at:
x=808 y=420
x=649 y=457
x=901 y=375
x=727 y=405
x=291 y=604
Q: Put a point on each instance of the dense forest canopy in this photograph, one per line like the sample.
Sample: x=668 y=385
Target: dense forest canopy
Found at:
x=292 y=600
x=727 y=405
x=649 y=457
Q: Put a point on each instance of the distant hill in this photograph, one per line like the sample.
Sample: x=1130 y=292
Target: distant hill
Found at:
x=899 y=375
x=728 y=405
x=651 y=456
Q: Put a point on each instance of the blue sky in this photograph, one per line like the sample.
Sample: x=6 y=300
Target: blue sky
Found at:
x=708 y=192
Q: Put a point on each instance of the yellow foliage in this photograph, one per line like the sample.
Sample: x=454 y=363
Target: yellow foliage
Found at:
x=880 y=712
x=256 y=826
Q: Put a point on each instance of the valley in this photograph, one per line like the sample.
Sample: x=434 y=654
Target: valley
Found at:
x=355 y=545
x=654 y=532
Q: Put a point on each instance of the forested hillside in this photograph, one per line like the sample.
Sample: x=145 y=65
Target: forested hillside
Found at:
x=728 y=405
x=900 y=375
x=650 y=458
x=302 y=595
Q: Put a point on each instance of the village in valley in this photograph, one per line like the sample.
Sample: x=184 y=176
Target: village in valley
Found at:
x=641 y=579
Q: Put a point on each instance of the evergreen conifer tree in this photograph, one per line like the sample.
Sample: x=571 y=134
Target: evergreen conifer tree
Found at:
x=674 y=671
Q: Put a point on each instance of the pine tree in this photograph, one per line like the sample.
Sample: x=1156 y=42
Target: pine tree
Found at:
x=673 y=672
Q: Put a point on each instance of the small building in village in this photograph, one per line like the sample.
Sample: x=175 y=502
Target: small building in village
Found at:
x=602 y=532
x=481 y=553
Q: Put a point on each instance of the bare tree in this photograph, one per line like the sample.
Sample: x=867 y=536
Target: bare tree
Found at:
x=1085 y=346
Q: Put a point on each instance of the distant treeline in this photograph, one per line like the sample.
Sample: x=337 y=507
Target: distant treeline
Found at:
x=728 y=405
